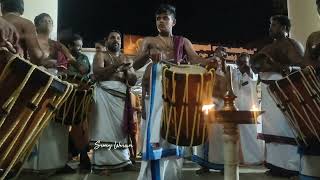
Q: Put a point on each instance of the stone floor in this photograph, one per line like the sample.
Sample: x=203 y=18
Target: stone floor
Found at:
x=187 y=175
x=246 y=173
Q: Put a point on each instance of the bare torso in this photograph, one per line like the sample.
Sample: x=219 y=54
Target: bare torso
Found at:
x=278 y=56
x=105 y=60
x=110 y=59
x=161 y=45
x=28 y=37
x=45 y=47
x=20 y=25
x=291 y=51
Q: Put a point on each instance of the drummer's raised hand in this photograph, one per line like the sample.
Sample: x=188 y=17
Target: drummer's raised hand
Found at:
x=66 y=52
x=156 y=55
x=123 y=67
x=9 y=35
x=144 y=53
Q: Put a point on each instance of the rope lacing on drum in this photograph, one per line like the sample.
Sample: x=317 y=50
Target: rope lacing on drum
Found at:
x=23 y=120
x=8 y=105
x=25 y=149
x=302 y=102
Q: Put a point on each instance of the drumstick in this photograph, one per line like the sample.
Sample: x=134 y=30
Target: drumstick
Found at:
x=172 y=64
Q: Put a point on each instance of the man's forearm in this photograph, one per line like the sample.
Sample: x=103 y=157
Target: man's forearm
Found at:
x=140 y=61
x=199 y=60
x=131 y=78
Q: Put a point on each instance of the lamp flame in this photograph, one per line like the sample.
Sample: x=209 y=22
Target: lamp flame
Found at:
x=254 y=108
x=207 y=107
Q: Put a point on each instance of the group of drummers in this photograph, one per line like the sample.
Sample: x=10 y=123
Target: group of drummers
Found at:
x=97 y=115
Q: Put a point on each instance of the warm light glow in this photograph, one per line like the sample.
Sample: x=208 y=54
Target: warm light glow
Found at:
x=207 y=107
x=254 y=108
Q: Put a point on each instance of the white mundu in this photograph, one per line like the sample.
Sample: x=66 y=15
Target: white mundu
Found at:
x=245 y=88
x=274 y=124
x=51 y=149
x=107 y=125
x=164 y=162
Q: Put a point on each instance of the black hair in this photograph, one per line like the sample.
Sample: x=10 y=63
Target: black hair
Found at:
x=114 y=31
x=166 y=8
x=221 y=48
x=283 y=21
x=13 y=6
x=38 y=18
x=244 y=54
x=73 y=38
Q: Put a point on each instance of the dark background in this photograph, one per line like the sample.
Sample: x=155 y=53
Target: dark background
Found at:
x=223 y=22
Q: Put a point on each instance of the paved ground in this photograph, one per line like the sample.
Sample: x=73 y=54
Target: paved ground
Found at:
x=187 y=175
x=246 y=173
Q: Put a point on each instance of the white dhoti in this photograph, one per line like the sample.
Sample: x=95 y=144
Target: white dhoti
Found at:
x=245 y=88
x=143 y=123
x=210 y=155
x=279 y=137
x=51 y=150
x=107 y=126
x=142 y=130
x=310 y=169
x=163 y=162
x=251 y=149
x=310 y=160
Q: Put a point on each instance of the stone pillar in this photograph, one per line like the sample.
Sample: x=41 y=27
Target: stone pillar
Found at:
x=304 y=19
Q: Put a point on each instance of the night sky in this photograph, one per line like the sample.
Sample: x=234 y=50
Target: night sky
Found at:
x=226 y=22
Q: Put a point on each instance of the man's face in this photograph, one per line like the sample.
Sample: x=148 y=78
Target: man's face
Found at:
x=220 y=53
x=243 y=63
x=45 y=24
x=114 y=42
x=275 y=29
x=165 y=22
x=76 y=47
x=99 y=47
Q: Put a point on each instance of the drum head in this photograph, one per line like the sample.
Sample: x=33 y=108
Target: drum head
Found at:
x=187 y=69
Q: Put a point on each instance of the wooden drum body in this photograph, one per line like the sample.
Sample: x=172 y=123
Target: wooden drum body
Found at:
x=76 y=108
x=186 y=89
x=29 y=97
x=298 y=96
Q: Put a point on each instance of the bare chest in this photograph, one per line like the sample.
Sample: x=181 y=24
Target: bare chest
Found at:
x=165 y=46
x=112 y=59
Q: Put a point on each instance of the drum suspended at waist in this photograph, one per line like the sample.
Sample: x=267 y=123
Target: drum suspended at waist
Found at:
x=186 y=88
x=298 y=96
x=29 y=97
x=77 y=106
